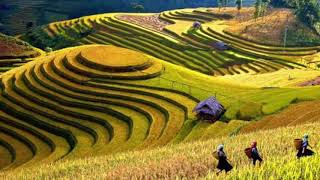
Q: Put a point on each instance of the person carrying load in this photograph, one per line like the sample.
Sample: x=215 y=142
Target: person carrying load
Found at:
x=302 y=147
x=223 y=163
x=253 y=153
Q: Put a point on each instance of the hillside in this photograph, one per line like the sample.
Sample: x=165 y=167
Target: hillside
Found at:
x=173 y=43
x=270 y=29
x=194 y=160
x=125 y=85
x=14 y=48
x=14 y=52
x=281 y=78
x=16 y=14
x=57 y=105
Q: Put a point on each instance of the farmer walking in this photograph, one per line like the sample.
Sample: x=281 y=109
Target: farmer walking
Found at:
x=303 y=150
x=223 y=163
x=255 y=155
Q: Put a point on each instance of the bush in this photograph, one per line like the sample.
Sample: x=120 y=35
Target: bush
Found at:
x=308 y=11
x=300 y=35
x=48 y=49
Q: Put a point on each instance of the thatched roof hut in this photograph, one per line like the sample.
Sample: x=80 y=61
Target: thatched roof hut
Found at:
x=209 y=109
x=221 y=46
x=196 y=25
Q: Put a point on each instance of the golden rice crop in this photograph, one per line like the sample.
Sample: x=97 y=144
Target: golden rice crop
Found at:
x=193 y=160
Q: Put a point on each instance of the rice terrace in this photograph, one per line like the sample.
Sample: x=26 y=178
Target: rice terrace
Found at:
x=145 y=90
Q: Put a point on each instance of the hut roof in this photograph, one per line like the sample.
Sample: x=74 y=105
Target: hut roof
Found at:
x=209 y=106
x=196 y=24
x=220 y=45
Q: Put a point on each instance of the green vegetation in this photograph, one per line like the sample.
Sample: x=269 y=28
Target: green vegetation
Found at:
x=261 y=7
x=302 y=37
x=308 y=11
x=134 y=89
x=193 y=49
x=239 y=4
x=137 y=7
x=72 y=104
x=249 y=111
x=66 y=37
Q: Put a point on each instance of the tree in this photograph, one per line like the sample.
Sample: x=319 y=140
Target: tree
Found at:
x=308 y=11
x=137 y=7
x=284 y=3
x=220 y=3
x=265 y=5
x=29 y=25
x=257 y=6
x=261 y=7
x=239 y=5
x=225 y=3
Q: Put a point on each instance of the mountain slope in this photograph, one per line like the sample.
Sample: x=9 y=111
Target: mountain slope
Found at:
x=96 y=100
x=135 y=87
x=173 y=43
x=15 y=52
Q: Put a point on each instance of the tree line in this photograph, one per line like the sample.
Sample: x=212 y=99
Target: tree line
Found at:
x=308 y=11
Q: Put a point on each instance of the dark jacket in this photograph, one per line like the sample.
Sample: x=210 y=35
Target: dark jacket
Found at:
x=223 y=164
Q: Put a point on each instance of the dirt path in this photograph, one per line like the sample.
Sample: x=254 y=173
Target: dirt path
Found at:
x=313 y=82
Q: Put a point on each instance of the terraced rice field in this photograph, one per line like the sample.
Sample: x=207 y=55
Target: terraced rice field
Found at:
x=14 y=53
x=281 y=78
x=295 y=114
x=68 y=27
x=190 y=50
x=194 y=160
x=94 y=100
x=54 y=108
x=135 y=88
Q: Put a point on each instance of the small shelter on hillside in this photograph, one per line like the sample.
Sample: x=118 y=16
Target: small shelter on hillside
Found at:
x=209 y=109
x=221 y=46
x=196 y=25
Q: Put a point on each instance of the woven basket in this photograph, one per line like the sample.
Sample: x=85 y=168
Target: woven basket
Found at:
x=297 y=143
x=215 y=155
x=248 y=152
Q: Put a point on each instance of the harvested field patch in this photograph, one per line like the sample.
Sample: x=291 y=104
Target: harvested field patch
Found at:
x=295 y=114
x=313 y=82
x=148 y=21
